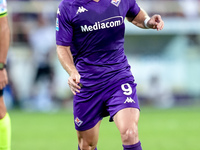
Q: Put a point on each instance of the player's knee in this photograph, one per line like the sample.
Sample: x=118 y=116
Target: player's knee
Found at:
x=87 y=145
x=129 y=134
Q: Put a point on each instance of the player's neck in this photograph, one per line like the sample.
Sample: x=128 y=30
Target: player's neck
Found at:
x=96 y=0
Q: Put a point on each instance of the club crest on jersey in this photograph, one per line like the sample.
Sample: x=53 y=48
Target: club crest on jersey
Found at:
x=78 y=121
x=115 y=2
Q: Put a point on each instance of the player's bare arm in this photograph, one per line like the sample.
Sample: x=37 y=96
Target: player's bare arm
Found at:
x=66 y=59
x=4 y=45
x=5 y=125
x=154 y=22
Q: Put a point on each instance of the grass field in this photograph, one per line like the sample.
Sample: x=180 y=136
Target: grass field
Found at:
x=170 y=129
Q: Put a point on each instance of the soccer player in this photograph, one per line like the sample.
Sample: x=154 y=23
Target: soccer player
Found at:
x=5 y=129
x=90 y=47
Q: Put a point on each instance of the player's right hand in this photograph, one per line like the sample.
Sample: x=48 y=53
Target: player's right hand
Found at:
x=3 y=78
x=156 y=22
x=73 y=81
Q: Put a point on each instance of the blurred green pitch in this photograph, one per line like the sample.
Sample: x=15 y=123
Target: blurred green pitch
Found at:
x=170 y=129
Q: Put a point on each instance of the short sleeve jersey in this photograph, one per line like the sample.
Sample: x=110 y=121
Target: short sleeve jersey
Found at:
x=95 y=33
x=3 y=8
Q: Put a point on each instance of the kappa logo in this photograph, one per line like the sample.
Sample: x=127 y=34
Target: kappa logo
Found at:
x=81 y=10
x=116 y=2
x=78 y=121
x=58 y=11
x=129 y=100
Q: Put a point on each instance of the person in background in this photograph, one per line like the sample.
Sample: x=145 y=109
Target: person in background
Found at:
x=5 y=126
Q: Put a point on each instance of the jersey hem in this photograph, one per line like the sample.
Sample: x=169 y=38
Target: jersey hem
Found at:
x=62 y=43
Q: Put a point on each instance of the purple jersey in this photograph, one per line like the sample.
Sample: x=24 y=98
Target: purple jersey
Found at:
x=95 y=33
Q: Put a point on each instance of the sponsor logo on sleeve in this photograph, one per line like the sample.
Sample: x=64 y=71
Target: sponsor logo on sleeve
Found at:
x=58 y=11
x=57 y=24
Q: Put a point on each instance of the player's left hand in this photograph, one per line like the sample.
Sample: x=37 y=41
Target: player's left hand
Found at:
x=73 y=81
x=156 y=22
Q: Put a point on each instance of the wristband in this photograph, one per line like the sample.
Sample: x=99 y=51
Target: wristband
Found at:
x=2 y=66
x=1 y=93
x=146 y=21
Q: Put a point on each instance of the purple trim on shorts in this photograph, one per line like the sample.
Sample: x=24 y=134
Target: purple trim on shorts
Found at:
x=88 y=126
x=120 y=108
